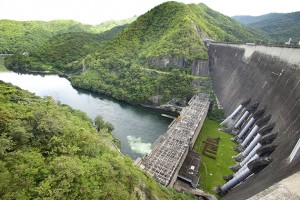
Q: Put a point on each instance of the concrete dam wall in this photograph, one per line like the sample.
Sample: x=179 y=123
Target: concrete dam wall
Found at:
x=269 y=76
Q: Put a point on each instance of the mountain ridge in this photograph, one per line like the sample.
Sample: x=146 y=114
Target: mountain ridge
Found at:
x=28 y=35
x=249 y=19
x=278 y=26
x=146 y=59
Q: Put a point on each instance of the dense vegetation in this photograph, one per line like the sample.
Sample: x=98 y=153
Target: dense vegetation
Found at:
x=149 y=59
x=107 y=25
x=279 y=26
x=247 y=19
x=175 y=30
x=220 y=27
x=60 y=50
x=126 y=68
x=51 y=151
x=23 y=36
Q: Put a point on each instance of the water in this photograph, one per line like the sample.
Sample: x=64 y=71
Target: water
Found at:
x=136 y=127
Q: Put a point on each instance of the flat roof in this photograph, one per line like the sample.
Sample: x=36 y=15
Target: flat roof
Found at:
x=190 y=167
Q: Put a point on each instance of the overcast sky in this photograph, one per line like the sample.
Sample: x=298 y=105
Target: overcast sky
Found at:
x=97 y=11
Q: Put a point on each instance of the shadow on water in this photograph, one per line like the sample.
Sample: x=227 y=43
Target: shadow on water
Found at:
x=125 y=105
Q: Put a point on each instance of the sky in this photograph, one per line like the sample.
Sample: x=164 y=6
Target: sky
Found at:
x=96 y=11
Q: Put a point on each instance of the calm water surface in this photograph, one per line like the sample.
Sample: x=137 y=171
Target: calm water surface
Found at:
x=135 y=126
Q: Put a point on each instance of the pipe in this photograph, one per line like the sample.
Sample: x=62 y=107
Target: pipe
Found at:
x=236 y=180
x=253 y=167
x=250 y=155
x=252 y=145
x=245 y=165
x=232 y=114
x=249 y=136
x=236 y=111
x=241 y=120
x=246 y=128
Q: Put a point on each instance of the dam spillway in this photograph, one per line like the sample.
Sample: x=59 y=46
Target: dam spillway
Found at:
x=170 y=149
x=269 y=76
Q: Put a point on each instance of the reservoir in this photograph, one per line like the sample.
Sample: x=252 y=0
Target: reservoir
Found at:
x=136 y=127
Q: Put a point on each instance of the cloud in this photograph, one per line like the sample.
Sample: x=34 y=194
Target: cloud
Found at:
x=138 y=146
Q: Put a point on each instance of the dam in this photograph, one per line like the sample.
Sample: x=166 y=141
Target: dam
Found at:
x=259 y=91
x=258 y=88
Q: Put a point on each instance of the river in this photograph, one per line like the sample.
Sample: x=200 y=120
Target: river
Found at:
x=135 y=126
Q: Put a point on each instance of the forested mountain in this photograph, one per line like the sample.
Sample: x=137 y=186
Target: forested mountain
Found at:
x=150 y=59
x=247 y=19
x=107 y=25
x=51 y=151
x=30 y=35
x=63 y=49
x=170 y=35
x=171 y=28
x=279 y=26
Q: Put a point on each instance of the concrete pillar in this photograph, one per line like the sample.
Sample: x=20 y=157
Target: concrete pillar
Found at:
x=238 y=109
x=241 y=120
x=249 y=136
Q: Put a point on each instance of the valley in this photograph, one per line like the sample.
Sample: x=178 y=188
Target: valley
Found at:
x=80 y=103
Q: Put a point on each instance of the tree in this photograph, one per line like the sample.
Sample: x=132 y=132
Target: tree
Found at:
x=101 y=124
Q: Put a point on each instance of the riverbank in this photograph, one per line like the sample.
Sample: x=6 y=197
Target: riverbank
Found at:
x=137 y=127
x=42 y=73
x=168 y=107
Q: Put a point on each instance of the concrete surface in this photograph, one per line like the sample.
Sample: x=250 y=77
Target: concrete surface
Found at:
x=270 y=76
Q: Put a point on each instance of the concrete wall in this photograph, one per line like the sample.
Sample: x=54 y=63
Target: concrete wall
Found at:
x=270 y=76
x=286 y=189
x=200 y=68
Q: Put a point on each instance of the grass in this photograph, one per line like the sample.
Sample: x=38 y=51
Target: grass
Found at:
x=212 y=170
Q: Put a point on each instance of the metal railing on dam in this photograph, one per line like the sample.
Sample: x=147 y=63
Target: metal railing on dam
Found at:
x=171 y=148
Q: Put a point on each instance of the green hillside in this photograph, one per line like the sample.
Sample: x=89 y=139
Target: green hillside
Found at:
x=107 y=25
x=129 y=67
x=247 y=19
x=175 y=30
x=279 y=26
x=29 y=35
x=51 y=151
x=150 y=59
x=24 y=36
x=56 y=53
x=60 y=50
x=220 y=27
